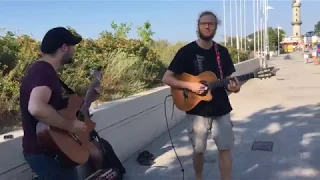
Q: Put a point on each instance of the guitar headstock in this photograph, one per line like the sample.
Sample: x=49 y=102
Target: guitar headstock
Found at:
x=94 y=88
x=265 y=73
x=96 y=74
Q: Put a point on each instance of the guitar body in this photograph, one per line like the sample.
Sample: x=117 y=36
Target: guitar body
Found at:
x=186 y=100
x=59 y=142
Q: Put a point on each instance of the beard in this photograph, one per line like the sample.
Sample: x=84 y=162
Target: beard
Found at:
x=67 y=59
x=206 y=37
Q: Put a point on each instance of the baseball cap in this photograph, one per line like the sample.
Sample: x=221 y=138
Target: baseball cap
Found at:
x=56 y=37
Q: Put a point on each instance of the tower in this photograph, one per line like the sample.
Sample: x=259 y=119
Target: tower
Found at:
x=296 y=19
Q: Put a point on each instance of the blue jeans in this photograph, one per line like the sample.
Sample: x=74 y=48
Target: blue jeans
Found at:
x=48 y=169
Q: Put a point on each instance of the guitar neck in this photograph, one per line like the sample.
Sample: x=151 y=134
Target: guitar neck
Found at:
x=86 y=103
x=91 y=92
x=225 y=82
x=88 y=99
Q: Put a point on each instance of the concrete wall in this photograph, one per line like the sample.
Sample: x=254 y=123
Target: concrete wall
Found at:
x=128 y=124
x=247 y=67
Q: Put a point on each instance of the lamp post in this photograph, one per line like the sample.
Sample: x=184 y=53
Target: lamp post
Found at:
x=245 y=25
x=261 y=28
x=241 y=23
x=237 y=34
x=224 y=23
x=279 y=39
x=266 y=35
x=258 y=15
x=266 y=14
x=230 y=11
x=254 y=28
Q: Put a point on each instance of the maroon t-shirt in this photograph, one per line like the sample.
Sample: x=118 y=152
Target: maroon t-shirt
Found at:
x=40 y=73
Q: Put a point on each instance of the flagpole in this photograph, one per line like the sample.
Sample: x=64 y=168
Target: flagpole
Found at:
x=224 y=23
x=245 y=26
x=265 y=31
x=258 y=27
x=237 y=34
x=254 y=27
x=231 y=30
x=261 y=28
x=241 y=23
x=279 y=39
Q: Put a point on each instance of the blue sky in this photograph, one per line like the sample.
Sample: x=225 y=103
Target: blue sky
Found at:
x=171 y=20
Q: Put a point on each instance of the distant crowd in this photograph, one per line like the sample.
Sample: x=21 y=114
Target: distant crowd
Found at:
x=311 y=52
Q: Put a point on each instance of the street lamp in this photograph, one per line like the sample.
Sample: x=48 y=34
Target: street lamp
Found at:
x=231 y=35
x=237 y=33
x=279 y=39
x=266 y=17
x=241 y=23
x=254 y=28
x=266 y=37
x=224 y=23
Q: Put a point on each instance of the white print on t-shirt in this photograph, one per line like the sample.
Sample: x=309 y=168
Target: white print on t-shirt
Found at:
x=198 y=62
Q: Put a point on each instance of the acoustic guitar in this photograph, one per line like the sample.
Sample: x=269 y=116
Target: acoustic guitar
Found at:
x=186 y=100
x=71 y=149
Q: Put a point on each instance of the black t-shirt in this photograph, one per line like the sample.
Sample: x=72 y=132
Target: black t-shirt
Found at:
x=193 y=59
x=41 y=73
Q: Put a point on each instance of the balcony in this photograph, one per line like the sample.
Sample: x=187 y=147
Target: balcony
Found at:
x=296 y=23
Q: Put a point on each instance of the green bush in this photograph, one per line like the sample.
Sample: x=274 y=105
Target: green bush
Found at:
x=129 y=65
x=234 y=55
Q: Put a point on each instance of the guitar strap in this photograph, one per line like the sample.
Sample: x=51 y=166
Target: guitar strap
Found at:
x=216 y=47
x=67 y=88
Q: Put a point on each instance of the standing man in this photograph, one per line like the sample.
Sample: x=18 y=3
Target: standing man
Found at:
x=41 y=97
x=213 y=116
x=306 y=54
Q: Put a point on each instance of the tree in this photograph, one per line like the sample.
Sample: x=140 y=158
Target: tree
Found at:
x=317 y=28
x=121 y=30
x=145 y=33
x=8 y=52
x=273 y=38
x=234 y=42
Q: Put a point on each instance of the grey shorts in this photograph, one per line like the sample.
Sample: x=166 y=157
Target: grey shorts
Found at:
x=221 y=131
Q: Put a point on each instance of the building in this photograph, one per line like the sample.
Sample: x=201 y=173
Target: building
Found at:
x=291 y=42
x=311 y=39
x=296 y=20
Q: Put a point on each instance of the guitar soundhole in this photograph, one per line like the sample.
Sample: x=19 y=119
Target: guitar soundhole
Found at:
x=80 y=115
x=206 y=91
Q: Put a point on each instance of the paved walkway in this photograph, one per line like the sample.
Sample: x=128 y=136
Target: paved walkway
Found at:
x=284 y=109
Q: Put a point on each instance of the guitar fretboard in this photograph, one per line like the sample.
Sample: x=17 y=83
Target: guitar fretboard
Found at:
x=89 y=98
x=225 y=82
x=87 y=101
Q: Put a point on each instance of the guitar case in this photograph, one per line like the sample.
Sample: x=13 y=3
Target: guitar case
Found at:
x=110 y=167
x=103 y=174
x=110 y=161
